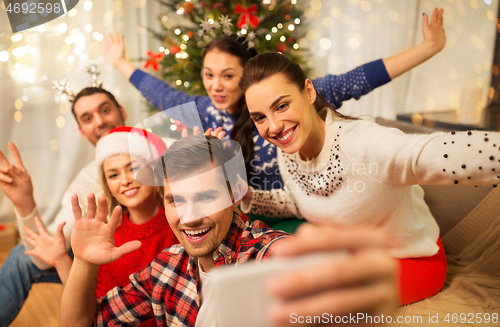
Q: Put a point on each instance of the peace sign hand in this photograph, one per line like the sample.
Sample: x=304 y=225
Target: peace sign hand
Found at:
x=15 y=182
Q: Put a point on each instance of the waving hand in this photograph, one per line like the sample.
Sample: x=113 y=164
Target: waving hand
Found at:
x=92 y=238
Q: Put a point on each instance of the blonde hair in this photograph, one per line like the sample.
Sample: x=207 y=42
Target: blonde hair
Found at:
x=113 y=202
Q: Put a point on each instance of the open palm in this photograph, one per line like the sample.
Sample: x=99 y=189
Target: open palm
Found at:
x=433 y=31
x=92 y=238
x=114 y=50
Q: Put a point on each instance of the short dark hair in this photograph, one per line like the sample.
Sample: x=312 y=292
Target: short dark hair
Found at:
x=89 y=91
x=194 y=152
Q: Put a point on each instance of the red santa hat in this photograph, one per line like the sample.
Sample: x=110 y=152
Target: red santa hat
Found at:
x=133 y=141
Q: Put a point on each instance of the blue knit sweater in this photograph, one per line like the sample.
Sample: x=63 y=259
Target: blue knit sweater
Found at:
x=265 y=174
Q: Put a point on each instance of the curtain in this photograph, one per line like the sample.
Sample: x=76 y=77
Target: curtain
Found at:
x=346 y=33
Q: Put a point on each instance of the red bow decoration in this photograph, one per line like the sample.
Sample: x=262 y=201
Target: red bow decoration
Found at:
x=188 y=6
x=218 y=5
x=153 y=61
x=247 y=16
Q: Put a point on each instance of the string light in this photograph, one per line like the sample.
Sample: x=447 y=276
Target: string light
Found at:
x=325 y=43
x=18 y=104
x=16 y=37
x=54 y=145
x=18 y=116
x=316 y=4
x=4 y=56
x=87 y=5
x=60 y=121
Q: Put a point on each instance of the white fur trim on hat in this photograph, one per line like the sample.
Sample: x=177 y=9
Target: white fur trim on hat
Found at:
x=125 y=143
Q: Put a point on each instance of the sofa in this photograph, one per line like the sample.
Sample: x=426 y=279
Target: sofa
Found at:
x=469 y=221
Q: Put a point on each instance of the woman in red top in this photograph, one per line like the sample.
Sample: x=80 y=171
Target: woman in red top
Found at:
x=143 y=218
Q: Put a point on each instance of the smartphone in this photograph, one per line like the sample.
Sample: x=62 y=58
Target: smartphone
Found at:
x=241 y=298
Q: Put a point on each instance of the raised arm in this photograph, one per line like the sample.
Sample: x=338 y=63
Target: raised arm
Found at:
x=114 y=50
x=434 y=41
x=93 y=244
x=156 y=91
x=362 y=80
x=465 y=158
x=15 y=182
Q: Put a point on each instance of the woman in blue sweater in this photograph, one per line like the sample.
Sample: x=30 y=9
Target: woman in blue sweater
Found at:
x=223 y=62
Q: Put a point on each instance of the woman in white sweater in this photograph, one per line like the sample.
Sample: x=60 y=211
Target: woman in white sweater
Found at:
x=343 y=171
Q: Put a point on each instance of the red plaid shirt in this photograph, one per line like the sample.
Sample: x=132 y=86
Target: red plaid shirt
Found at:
x=167 y=289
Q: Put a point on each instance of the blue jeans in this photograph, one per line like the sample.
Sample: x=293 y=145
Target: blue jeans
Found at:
x=17 y=275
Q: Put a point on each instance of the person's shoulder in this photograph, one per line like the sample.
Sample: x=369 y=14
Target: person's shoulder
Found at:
x=258 y=230
x=173 y=256
x=353 y=124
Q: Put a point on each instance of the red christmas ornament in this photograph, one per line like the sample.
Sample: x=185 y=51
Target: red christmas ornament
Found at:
x=188 y=6
x=174 y=49
x=190 y=34
x=247 y=16
x=153 y=61
x=282 y=47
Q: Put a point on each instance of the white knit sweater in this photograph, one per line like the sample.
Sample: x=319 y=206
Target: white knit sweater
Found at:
x=366 y=175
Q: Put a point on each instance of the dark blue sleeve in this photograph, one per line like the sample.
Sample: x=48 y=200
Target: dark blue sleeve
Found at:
x=338 y=88
x=163 y=96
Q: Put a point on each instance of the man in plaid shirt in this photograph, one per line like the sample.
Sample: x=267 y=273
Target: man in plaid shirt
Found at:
x=169 y=288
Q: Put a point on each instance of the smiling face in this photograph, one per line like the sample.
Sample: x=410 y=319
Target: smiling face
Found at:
x=96 y=115
x=119 y=173
x=283 y=114
x=199 y=211
x=221 y=74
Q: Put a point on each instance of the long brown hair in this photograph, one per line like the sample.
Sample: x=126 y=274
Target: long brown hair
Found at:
x=268 y=64
x=243 y=126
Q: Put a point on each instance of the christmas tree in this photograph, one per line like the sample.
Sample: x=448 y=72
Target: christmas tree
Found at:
x=189 y=25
